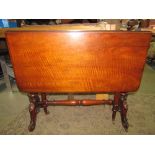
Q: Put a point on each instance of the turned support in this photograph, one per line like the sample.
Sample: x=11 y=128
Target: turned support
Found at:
x=44 y=102
x=123 y=110
x=120 y=105
x=76 y=102
x=115 y=105
x=33 y=110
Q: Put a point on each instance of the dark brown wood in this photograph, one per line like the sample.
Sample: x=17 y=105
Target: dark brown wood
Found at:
x=123 y=110
x=115 y=105
x=78 y=102
x=120 y=105
x=33 y=111
x=36 y=103
x=44 y=102
x=78 y=62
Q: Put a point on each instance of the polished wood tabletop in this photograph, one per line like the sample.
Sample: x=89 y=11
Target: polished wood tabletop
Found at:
x=78 y=61
x=88 y=26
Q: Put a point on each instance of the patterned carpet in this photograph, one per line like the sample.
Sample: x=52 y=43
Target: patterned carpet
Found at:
x=92 y=120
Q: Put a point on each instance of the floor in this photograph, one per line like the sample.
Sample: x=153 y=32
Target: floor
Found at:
x=92 y=120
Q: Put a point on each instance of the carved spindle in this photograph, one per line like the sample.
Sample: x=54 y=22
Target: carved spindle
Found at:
x=123 y=110
x=115 y=106
x=44 y=101
x=37 y=98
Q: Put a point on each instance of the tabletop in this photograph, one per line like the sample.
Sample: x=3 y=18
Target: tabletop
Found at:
x=88 y=26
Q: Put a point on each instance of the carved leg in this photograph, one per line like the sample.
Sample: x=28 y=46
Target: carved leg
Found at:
x=120 y=104
x=44 y=99
x=123 y=110
x=37 y=98
x=33 y=111
x=115 y=106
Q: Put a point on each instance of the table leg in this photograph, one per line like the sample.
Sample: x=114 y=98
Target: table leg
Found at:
x=44 y=99
x=123 y=110
x=33 y=111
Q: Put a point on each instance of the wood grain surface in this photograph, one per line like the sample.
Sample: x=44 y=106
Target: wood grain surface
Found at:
x=78 y=61
x=87 y=26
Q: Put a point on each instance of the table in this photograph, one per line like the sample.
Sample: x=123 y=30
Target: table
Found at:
x=91 y=26
x=78 y=62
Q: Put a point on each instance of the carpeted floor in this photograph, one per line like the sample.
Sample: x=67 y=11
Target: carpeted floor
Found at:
x=89 y=119
x=92 y=120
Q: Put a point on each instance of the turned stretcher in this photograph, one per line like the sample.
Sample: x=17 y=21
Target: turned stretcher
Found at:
x=78 y=62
